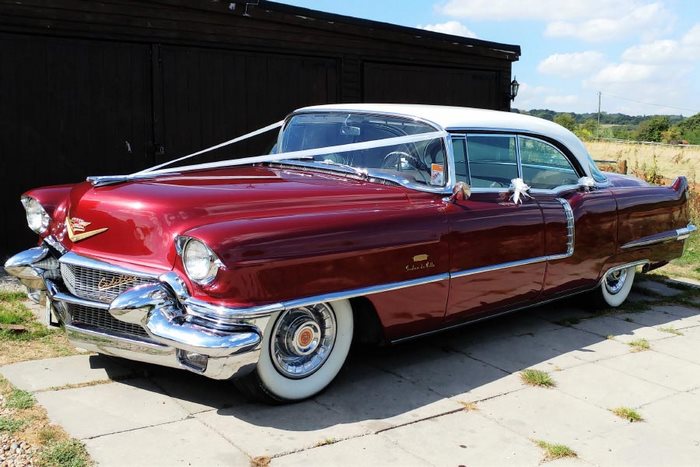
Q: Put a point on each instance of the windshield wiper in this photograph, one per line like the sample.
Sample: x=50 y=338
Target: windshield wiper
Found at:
x=359 y=172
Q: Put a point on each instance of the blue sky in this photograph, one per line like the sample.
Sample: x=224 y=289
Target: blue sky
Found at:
x=642 y=55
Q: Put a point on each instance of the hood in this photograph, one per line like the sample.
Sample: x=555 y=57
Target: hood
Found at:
x=142 y=218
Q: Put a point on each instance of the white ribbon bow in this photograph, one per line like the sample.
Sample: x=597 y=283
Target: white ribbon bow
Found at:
x=519 y=189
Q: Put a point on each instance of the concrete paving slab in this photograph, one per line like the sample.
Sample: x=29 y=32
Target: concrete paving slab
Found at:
x=623 y=331
x=465 y=438
x=651 y=318
x=379 y=399
x=686 y=347
x=195 y=393
x=657 y=288
x=658 y=368
x=38 y=375
x=549 y=415
x=368 y=450
x=686 y=316
x=608 y=388
x=515 y=353
x=185 y=442
x=584 y=345
x=640 y=444
x=260 y=430
x=636 y=297
x=678 y=415
x=449 y=374
x=109 y=408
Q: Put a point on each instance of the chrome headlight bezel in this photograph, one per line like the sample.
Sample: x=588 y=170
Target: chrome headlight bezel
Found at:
x=199 y=261
x=38 y=219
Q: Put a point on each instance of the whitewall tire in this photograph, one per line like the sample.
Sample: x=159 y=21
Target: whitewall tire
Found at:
x=616 y=286
x=303 y=350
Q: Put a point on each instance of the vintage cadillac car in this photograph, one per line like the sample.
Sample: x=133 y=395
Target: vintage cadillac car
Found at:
x=365 y=223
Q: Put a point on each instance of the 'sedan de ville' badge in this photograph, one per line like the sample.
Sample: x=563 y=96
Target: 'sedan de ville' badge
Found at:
x=420 y=262
x=75 y=225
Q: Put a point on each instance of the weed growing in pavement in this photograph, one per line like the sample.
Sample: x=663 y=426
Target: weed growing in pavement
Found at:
x=537 y=378
x=555 y=451
x=628 y=414
x=671 y=330
x=638 y=345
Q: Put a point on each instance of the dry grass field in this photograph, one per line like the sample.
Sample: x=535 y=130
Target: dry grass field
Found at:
x=661 y=164
x=670 y=161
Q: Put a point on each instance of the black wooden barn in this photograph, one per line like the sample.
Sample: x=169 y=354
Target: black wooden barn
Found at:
x=112 y=86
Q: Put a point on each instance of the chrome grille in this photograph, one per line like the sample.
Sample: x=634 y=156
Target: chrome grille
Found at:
x=102 y=320
x=98 y=285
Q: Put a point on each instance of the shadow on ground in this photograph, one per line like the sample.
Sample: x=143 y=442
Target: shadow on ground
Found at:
x=429 y=376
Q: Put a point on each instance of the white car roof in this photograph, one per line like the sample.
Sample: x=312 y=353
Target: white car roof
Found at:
x=453 y=118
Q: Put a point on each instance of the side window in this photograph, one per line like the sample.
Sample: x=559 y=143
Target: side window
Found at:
x=544 y=166
x=492 y=159
x=459 y=149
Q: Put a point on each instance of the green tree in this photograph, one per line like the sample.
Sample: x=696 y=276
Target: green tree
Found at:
x=652 y=128
x=672 y=135
x=566 y=120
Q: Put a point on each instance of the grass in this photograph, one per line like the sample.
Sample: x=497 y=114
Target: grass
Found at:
x=627 y=414
x=555 y=451
x=537 y=378
x=35 y=342
x=66 y=453
x=10 y=425
x=19 y=399
x=639 y=345
x=671 y=330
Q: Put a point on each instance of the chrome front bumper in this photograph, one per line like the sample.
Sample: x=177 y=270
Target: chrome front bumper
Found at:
x=179 y=332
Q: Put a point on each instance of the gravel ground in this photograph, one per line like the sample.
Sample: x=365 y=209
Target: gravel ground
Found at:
x=9 y=283
x=13 y=451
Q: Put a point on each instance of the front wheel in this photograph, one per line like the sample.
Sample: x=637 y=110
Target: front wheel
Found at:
x=616 y=286
x=303 y=350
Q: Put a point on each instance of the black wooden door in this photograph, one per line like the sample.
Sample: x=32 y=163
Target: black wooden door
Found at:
x=413 y=84
x=212 y=95
x=69 y=108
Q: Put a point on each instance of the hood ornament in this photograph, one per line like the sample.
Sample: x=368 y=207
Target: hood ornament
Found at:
x=76 y=229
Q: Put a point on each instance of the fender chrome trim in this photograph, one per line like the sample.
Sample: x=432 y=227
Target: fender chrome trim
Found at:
x=668 y=236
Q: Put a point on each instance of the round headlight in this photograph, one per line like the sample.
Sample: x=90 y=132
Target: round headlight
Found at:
x=201 y=264
x=37 y=218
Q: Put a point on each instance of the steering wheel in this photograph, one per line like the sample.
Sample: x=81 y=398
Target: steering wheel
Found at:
x=400 y=156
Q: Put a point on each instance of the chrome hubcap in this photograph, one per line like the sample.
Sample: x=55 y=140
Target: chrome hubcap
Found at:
x=614 y=281
x=302 y=340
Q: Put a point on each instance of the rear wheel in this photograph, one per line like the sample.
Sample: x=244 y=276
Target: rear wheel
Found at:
x=303 y=350
x=616 y=286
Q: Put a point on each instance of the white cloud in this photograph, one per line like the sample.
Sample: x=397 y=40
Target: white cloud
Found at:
x=571 y=64
x=648 y=21
x=450 y=27
x=591 y=21
x=557 y=102
x=545 y=10
x=653 y=52
x=625 y=73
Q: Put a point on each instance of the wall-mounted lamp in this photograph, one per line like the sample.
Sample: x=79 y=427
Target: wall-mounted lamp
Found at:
x=514 y=86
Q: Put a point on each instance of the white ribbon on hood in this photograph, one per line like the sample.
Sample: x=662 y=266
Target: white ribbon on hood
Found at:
x=520 y=190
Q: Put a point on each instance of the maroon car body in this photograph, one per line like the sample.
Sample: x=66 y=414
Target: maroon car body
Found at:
x=291 y=241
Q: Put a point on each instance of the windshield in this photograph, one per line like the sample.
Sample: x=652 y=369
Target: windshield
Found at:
x=422 y=162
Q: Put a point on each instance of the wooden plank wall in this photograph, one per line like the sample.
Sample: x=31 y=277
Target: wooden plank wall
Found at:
x=107 y=87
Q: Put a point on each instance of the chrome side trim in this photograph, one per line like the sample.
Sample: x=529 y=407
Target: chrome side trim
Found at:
x=224 y=315
x=84 y=261
x=668 y=236
x=497 y=267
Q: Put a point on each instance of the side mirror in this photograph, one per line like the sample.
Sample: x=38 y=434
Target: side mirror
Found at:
x=460 y=192
x=586 y=183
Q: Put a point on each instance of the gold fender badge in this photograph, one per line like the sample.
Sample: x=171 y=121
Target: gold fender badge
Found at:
x=78 y=225
x=420 y=262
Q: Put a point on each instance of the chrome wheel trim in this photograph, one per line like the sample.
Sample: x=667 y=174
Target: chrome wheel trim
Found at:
x=615 y=281
x=302 y=340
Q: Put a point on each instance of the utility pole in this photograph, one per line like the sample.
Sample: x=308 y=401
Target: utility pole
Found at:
x=597 y=136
